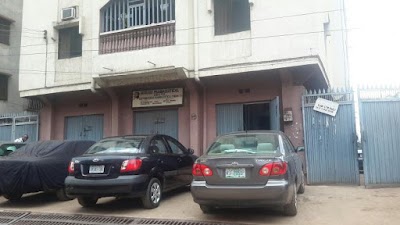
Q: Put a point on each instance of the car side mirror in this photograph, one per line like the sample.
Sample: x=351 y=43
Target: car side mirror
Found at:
x=191 y=151
x=300 y=149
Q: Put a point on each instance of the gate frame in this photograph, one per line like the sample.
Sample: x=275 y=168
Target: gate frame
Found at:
x=15 y=116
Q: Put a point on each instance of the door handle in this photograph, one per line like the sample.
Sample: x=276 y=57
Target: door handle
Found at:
x=179 y=159
x=160 y=161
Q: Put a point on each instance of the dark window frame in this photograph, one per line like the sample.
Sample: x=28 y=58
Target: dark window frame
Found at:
x=3 y=87
x=231 y=16
x=5 y=31
x=69 y=43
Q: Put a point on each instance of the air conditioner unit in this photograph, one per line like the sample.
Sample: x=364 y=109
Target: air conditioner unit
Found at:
x=68 y=13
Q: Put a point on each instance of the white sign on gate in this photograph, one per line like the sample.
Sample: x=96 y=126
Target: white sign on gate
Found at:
x=326 y=106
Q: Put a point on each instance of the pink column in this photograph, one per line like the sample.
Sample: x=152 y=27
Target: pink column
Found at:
x=291 y=101
x=196 y=114
x=46 y=122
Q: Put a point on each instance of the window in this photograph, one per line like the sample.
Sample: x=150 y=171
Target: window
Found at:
x=69 y=43
x=3 y=87
x=160 y=144
x=231 y=16
x=118 y=15
x=5 y=31
x=175 y=147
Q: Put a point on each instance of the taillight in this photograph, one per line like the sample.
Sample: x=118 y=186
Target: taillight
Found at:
x=131 y=165
x=273 y=169
x=201 y=170
x=71 y=168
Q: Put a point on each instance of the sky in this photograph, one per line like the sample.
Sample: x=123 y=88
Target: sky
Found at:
x=373 y=41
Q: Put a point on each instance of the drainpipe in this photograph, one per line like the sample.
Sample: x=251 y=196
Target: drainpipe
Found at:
x=93 y=86
x=196 y=39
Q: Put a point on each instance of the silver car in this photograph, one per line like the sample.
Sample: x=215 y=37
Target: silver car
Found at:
x=249 y=169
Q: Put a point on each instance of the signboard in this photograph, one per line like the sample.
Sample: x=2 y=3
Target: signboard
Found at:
x=326 y=106
x=157 y=98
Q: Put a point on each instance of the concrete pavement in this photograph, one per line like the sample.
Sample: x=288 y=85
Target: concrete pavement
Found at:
x=319 y=205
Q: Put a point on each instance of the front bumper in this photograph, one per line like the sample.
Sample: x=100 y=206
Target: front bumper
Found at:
x=275 y=192
x=128 y=186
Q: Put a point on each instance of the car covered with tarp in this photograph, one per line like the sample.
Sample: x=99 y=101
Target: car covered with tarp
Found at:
x=39 y=166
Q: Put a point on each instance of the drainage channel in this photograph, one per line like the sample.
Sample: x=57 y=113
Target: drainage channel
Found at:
x=24 y=218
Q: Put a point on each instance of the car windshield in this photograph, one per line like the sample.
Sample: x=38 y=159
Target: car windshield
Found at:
x=6 y=149
x=267 y=143
x=117 y=146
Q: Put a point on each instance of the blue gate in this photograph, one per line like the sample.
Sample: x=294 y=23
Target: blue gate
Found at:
x=84 y=127
x=380 y=123
x=157 y=122
x=13 y=126
x=330 y=141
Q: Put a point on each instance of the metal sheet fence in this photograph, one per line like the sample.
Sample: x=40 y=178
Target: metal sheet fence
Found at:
x=380 y=122
x=331 y=141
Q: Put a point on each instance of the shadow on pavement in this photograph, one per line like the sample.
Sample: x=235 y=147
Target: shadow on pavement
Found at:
x=31 y=200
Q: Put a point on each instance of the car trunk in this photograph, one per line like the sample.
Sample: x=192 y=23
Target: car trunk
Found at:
x=99 y=167
x=237 y=170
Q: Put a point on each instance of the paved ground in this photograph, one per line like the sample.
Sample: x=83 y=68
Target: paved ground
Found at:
x=319 y=205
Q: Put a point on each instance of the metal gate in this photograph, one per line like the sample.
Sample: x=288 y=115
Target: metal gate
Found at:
x=84 y=128
x=13 y=126
x=380 y=123
x=331 y=141
x=157 y=122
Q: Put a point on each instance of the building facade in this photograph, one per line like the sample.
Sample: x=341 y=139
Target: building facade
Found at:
x=190 y=69
x=10 y=41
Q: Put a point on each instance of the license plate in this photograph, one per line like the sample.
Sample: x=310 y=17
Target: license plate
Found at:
x=96 y=169
x=235 y=173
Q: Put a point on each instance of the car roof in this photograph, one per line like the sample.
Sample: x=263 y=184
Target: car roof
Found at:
x=256 y=132
x=133 y=136
x=10 y=142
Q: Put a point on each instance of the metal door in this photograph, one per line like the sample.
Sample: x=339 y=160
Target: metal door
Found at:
x=229 y=118
x=84 y=127
x=16 y=125
x=331 y=142
x=275 y=117
x=157 y=122
x=379 y=112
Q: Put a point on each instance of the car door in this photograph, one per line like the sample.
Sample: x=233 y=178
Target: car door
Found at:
x=184 y=159
x=296 y=167
x=166 y=162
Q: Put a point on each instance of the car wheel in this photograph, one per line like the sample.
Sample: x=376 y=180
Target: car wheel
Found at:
x=152 y=197
x=207 y=209
x=291 y=208
x=62 y=195
x=13 y=197
x=87 y=201
x=302 y=187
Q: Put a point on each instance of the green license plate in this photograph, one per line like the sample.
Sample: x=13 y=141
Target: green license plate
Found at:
x=236 y=173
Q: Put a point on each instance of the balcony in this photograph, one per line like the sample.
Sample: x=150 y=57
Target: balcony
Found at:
x=149 y=36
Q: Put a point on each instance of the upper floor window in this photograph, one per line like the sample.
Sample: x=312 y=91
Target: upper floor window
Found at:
x=231 y=16
x=3 y=87
x=122 y=14
x=5 y=31
x=69 y=43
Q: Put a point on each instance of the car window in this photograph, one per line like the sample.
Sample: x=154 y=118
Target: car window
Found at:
x=159 y=143
x=117 y=145
x=263 y=143
x=176 y=148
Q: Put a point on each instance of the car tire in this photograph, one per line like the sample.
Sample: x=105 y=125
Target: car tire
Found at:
x=12 y=197
x=62 y=195
x=207 y=209
x=302 y=187
x=291 y=208
x=87 y=202
x=153 y=194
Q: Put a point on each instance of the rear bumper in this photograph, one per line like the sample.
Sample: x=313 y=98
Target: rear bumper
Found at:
x=275 y=192
x=129 y=186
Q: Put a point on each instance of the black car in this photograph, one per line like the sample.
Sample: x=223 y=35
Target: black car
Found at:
x=39 y=166
x=130 y=166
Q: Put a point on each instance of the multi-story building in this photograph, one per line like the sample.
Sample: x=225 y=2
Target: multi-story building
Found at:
x=190 y=69
x=10 y=41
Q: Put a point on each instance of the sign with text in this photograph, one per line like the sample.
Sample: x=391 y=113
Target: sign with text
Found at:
x=326 y=106
x=157 y=98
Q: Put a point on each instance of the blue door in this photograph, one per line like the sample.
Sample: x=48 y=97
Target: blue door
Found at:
x=84 y=128
x=229 y=118
x=157 y=122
